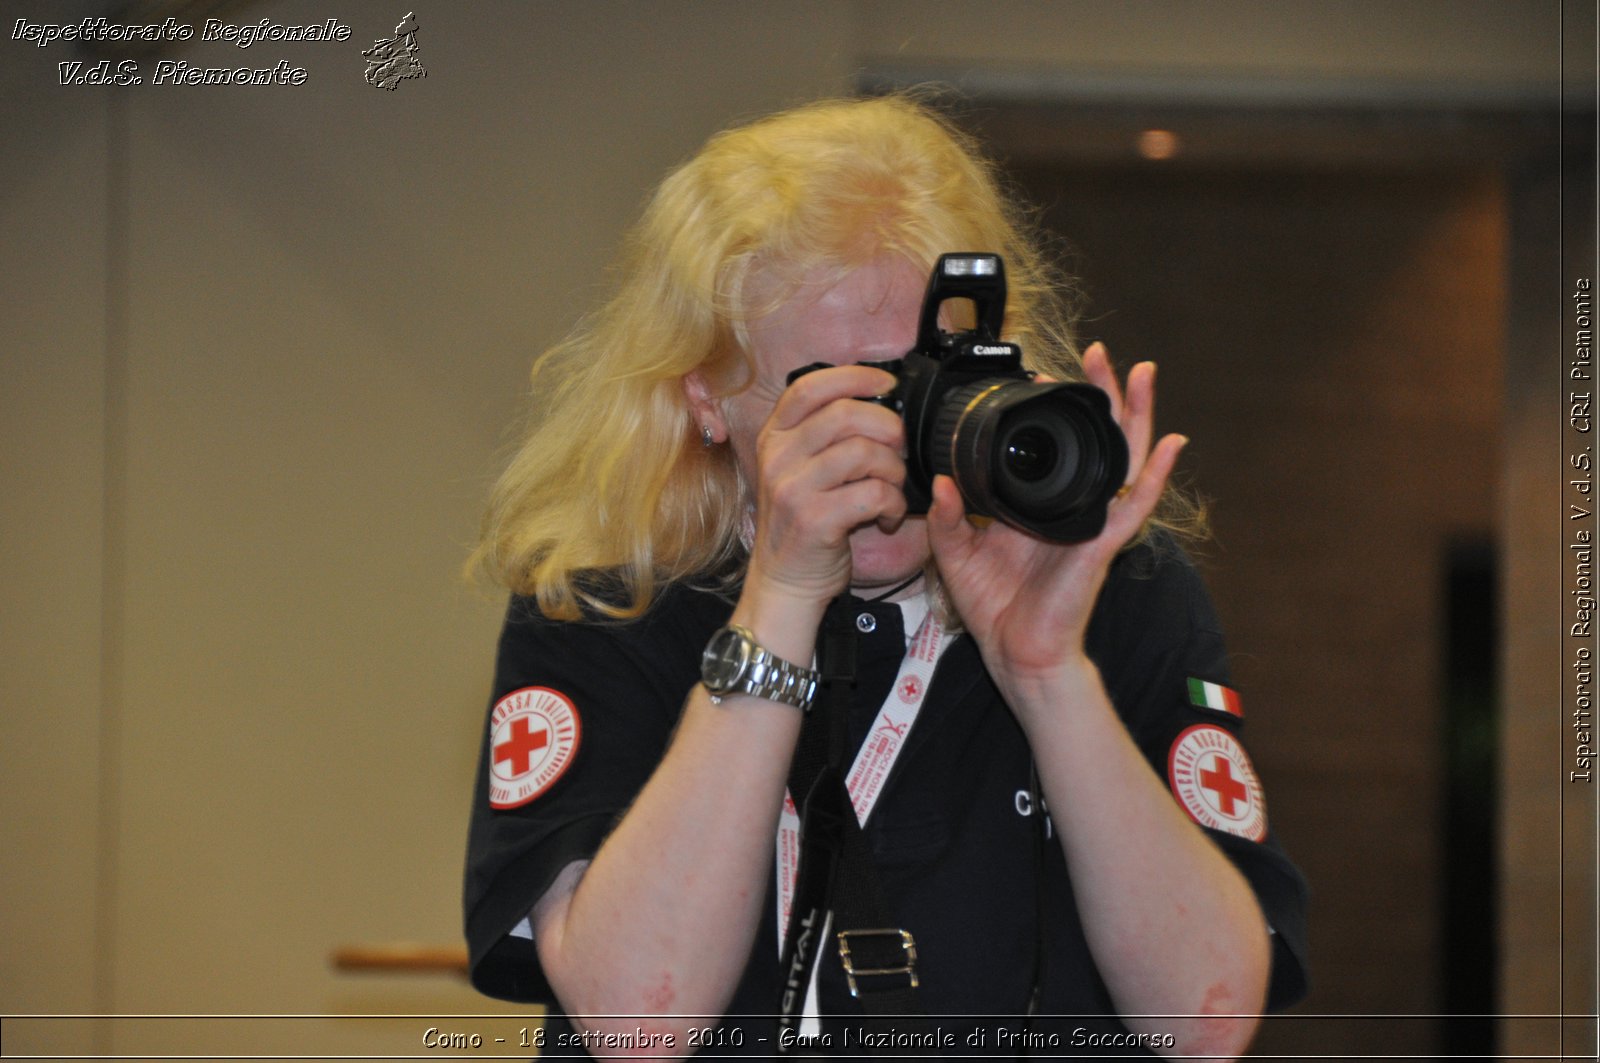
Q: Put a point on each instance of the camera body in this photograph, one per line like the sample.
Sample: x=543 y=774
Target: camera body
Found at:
x=1046 y=458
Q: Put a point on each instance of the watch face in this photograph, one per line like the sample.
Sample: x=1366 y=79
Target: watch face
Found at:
x=724 y=661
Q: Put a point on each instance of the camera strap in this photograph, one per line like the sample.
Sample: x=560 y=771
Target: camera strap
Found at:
x=834 y=895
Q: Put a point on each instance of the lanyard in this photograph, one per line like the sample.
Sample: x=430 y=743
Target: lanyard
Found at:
x=868 y=773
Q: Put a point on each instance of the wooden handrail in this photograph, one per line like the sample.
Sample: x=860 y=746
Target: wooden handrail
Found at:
x=402 y=957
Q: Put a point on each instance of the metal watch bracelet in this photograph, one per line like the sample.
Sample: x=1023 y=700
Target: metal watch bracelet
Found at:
x=759 y=672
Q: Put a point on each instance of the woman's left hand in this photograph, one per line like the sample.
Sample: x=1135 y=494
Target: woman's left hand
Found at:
x=1027 y=601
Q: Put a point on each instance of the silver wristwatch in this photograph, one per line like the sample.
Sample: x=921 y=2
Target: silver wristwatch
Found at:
x=735 y=663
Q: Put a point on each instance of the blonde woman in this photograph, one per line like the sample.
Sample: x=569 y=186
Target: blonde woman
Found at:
x=1058 y=820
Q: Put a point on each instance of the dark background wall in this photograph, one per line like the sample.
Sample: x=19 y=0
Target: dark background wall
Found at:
x=1333 y=343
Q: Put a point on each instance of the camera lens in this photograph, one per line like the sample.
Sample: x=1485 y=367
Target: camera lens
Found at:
x=1046 y=463
x=1045 y=456
x=1030 y=454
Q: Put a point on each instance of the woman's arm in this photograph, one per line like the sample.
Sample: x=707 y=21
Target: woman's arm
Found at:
x=663 y=920
x=1173 y=926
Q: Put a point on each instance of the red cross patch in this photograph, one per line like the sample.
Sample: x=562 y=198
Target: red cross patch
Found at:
x=533 y=736
x=910 y=689
x=1214 y=781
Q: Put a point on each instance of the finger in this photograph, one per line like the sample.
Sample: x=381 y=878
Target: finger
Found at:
x=870 y=501
x=1137 y=502
x=815 y=390
x=1097 y=369
x=799 y=517
x=852 y=482
x=1138 y=415
x=843 y=419
x=949 y=534
x=890 y=523
x=848 y=460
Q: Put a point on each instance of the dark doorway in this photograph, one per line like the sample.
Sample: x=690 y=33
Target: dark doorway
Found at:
x=1468 y=898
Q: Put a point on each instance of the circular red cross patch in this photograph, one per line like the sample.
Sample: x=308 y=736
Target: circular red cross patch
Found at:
x=533 y=736
x=1213 y=779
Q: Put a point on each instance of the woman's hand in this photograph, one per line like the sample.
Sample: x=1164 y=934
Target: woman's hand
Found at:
x=825 y=463
x=1028 y=601
x=1174 y=928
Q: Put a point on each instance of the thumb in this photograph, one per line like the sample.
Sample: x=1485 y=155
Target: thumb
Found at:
x=948 y=529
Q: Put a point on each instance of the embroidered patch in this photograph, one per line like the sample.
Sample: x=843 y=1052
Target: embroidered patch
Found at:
x=533 y=736
x=1215 y=696
x=1213 y=779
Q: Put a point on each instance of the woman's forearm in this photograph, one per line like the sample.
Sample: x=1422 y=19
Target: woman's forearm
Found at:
x=1174 y=927
x=663 y=919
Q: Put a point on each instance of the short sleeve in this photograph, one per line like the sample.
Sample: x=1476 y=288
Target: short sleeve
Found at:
x=1157 y=640
x=580 y=715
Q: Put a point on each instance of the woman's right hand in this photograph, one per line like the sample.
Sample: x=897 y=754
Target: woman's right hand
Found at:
x=825 y=464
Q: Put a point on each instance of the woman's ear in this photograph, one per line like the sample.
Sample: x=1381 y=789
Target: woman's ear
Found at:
x=707 y=410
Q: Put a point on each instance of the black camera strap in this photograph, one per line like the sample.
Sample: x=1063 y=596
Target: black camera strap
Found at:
x=836 y=877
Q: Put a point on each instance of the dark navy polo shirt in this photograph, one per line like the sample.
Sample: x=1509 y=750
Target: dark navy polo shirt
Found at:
x=953 y=834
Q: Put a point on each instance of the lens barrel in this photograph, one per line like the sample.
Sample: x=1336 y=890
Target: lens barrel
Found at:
x=1046 y=457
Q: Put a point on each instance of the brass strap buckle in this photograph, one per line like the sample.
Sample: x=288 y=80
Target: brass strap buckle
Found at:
x=907 y=943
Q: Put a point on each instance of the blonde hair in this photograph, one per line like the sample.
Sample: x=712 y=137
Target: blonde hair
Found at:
x=611 y=495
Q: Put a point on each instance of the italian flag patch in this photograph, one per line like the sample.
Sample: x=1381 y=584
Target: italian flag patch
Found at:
x=1215 y=696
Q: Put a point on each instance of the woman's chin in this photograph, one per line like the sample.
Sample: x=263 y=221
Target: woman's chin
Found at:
x=878 y=560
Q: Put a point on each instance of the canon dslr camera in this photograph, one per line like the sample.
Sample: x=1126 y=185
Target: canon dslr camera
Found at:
x=1046 y=458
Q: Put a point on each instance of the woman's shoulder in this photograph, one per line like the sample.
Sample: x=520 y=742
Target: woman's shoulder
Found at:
x=605 y=603
x=1156 y=579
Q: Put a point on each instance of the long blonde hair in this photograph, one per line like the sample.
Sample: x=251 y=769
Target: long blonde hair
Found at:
x=610 y=495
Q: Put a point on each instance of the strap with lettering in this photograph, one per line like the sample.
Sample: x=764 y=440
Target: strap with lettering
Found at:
x=835 y=867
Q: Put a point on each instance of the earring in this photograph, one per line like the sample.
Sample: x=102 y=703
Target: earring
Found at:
x=705 y=436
